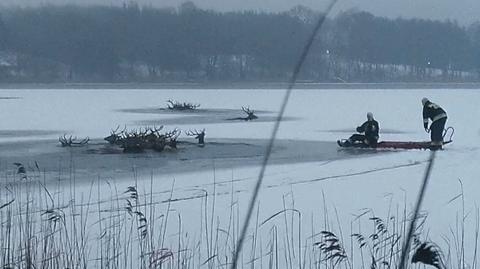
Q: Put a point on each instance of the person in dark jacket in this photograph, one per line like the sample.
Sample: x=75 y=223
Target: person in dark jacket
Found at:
x=370 y=135
x=438 y=116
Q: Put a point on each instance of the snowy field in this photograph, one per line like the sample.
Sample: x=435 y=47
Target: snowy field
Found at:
x=329 y=191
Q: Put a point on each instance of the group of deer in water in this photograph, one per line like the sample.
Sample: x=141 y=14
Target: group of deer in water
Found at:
x=152 y=138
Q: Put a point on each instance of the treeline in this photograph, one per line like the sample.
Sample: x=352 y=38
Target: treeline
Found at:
x=132 y=43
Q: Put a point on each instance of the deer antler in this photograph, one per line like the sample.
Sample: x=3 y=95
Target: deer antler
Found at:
x=141 y=133
x=176 y=105
x=247 y=110
x=190 y=105
x=195 y=133
x=83 y=141
x=68 y=142
x=198 y=135
x=171 y=104
x=250 y=114
x=65 y=141
x=156 y=130
x=114 y=132
x=174 y=134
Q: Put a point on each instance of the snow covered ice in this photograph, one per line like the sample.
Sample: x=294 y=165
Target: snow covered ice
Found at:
x=347 y=182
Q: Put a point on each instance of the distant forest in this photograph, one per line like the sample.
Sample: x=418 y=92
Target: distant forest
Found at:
x=146 y=44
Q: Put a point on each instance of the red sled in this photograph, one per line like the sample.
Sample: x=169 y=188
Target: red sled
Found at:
x=402 y=144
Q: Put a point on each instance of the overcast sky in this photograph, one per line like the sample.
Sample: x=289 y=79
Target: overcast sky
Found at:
x=464 y=11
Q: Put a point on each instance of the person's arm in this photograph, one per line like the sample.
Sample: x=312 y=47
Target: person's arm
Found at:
x=425 y=118
x=361 y=129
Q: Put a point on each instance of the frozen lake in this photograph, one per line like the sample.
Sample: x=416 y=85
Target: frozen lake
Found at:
x=307 y=173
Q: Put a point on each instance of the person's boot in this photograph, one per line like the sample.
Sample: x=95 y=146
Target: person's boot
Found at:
x=436 y=146
x=344 y=143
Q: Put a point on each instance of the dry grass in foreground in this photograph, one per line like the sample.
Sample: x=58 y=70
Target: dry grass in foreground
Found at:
x=107 y=227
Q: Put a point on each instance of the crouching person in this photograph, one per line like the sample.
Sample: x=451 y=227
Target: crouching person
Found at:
x=367 y=134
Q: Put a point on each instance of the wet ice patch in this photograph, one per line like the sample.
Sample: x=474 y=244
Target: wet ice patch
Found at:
x=201 y=116
x=99 y=157
x=198 y=111
x=184 y=120
x=352 y=130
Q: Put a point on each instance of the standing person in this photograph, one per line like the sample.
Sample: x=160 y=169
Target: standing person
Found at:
x=370 y=137
x=438 y=116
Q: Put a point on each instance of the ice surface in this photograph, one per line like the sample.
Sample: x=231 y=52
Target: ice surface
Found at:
x=349 y=185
